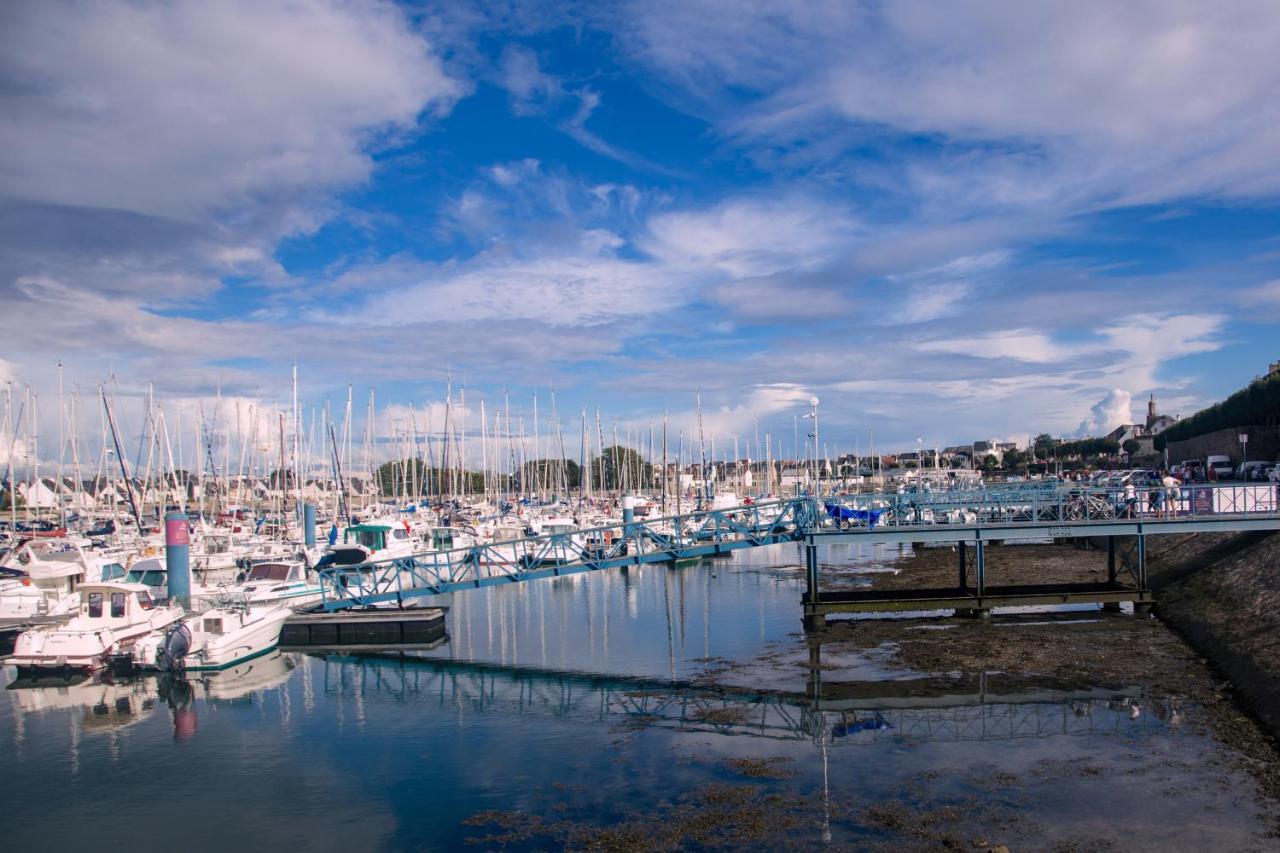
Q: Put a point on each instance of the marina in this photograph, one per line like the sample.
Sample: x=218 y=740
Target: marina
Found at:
x=680 y=425
x=650 y=703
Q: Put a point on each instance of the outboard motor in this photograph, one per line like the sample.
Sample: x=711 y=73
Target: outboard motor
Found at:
x=173 y=650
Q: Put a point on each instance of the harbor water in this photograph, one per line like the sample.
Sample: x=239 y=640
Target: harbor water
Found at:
x=644 y=709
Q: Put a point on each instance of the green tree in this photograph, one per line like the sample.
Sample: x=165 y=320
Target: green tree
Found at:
x=1044 y=445
x=430 y=482
x=1131 y=446
x=620 y=466
x=1015 y=460
x=280 y=478
x=548 y=473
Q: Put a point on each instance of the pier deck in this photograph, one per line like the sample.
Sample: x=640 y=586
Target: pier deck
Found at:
x=973 y=517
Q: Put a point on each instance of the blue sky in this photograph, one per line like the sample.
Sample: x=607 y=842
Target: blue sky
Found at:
x=973 y=220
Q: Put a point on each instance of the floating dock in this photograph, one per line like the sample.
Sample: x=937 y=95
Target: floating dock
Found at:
x=357 y=630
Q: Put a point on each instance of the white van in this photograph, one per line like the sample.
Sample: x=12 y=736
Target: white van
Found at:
x=1221 y=466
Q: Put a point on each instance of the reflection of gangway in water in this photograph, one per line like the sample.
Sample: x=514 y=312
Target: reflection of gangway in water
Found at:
x=981 y=707
x=971 y=518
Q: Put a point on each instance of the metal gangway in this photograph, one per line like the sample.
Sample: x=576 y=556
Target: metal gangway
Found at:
x=970 y=519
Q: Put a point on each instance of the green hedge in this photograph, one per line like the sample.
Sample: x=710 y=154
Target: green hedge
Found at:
x=1257 y=404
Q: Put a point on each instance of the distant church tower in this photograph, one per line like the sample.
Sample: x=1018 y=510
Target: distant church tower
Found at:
x=1151 y=411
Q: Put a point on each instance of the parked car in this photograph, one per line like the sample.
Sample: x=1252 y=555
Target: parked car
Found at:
x=1253 y=471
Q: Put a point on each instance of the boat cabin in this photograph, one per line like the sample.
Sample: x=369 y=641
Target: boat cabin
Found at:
x=275 y=572
x=372 y=536
x=115 y=603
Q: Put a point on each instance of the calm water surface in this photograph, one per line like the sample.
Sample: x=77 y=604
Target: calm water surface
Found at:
x=576 y=700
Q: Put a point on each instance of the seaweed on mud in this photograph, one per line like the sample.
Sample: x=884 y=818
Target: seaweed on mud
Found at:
x=712 y=815
x=762 y=768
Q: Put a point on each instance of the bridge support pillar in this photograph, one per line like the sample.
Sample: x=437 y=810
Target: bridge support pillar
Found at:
x=964 y=569
x=1142 y=560
x=1112 y=573
x=980 y=566
x=813 y=620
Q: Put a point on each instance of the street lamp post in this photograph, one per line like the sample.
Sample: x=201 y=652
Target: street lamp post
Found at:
x=813 y=403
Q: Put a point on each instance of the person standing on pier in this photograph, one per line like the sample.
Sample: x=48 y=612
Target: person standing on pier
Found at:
x=1130 y=498
x=1172 y=492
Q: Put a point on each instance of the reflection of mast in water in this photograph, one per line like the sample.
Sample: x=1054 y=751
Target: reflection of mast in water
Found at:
x=359 y=702
x=308 y=689
x=604 y=604
x=826 y=787
x=760 y=602
x=19 y=728
x=75 y=744
x=502 y=628
x=680 y=601
x=542 y=620
x=286 y=706
x=488 y=612
x=591 y=620
x=671 y=643
x=515 y=607
x=563 y=622
x=706 y=614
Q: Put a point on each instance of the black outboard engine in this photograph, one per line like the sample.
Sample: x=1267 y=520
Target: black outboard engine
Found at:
x=173 y=651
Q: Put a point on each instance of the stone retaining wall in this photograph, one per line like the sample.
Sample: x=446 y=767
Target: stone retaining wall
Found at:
x=1264 y=443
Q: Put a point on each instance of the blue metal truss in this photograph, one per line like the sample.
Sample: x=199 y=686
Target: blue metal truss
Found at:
x=1002 y=512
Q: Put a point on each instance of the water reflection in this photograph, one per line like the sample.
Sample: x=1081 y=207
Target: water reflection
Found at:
x=981 y=706
x=628 y=686
x=107 y=703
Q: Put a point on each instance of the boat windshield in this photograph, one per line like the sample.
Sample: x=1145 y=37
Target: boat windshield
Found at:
x=149 y=578
x=269 y=572
x=111 y=571
x=369 y=538
x=144 y=601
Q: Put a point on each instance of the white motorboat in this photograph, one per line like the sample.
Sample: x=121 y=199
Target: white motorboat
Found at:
x=113 y=616
x=43 y=574
x=217 y=638
x=287 y=582
x=373 y=556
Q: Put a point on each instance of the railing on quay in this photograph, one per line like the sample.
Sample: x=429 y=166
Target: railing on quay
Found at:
x=1055 y=507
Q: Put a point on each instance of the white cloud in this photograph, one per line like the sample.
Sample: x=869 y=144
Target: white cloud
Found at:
x=185 y=108
x=752 y=237
x=530 y=88
x=1021 y=344
x=1095 y=102
x=1112 y=411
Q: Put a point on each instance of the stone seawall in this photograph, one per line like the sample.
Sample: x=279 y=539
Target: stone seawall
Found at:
x=1222 y=593
x=1264 y=443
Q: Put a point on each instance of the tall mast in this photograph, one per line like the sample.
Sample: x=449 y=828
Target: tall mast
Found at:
x=664 y=462
x=584 y=473
x=702 y=443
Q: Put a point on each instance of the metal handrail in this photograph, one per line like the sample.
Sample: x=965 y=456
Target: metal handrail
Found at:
x=705 y=532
